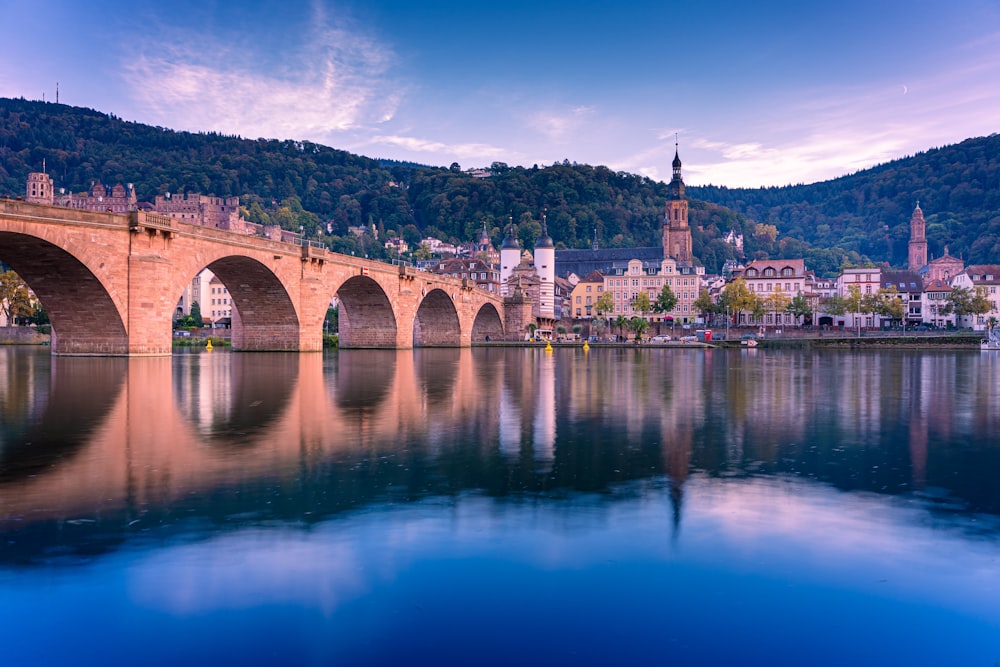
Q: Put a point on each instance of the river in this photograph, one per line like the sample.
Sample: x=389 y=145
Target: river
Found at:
x=501 y=507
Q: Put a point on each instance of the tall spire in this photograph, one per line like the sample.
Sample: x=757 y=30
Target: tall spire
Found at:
x=544 y=241
x=677 y=183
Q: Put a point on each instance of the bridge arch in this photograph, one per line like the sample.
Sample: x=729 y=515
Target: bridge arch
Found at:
x=436 y=323
x=488 y=325
x=366 y=317
x=264 y=316
x=85 y=318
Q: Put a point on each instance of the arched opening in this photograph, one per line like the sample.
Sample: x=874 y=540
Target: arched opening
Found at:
x=488 y=325
x=365 y=319
x=263 y=317
x=84 y=317
x=436 y=323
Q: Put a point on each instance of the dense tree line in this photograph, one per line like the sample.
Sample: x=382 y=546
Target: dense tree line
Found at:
x=324 y=191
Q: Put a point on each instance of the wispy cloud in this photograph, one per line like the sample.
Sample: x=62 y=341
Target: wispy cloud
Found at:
x=440 y=149
x=560 y=125
x=337 y=79
x=829 y=134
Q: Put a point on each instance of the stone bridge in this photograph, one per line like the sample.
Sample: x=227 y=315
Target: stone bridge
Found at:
x=110 y=285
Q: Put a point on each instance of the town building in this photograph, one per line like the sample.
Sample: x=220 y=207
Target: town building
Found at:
x=484 y=275
x=398 y=244
x=866 y=281
x=776 y=282
x=212 y=297
x=943 y=268
x=439 y=247
x=934 y=305
x=909 y=288
x=485 y=250
x=585 y=294
x=626 y=281
x=986 y=276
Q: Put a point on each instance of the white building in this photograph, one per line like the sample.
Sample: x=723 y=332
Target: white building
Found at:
x=212 y=297
x=867 y=281
x=986 y=276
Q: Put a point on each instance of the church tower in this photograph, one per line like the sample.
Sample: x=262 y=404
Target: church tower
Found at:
x=676 y=233
x=918 y=240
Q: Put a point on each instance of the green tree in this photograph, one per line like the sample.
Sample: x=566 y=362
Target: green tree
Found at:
x=799 y=307
x=605 y=304
x=777 y=301
x=15 y=299
x=38 y=315
x=967 y=302
x=741 y=299
x=888 y=305
x=196 y=318
x=641 y=303
x=705 y=304
x=665 y=301
x=639 y=325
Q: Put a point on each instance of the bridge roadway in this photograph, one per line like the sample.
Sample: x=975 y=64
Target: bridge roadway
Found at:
x=110 y=285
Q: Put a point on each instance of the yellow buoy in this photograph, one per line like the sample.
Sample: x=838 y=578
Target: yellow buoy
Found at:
x=548 y=346
x=209 y=346
x=585 y=346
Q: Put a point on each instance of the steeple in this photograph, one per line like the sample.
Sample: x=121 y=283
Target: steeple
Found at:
x=677 y=183
x=918 y=240
x=676 y=233
x=544 y=241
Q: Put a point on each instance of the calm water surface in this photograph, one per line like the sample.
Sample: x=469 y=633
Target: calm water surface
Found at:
x=501 y=507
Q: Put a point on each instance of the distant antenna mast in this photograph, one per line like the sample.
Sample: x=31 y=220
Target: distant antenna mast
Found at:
x=57 y=92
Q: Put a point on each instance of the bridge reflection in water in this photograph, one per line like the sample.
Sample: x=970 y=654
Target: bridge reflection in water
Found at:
x=117 y=438
x=616 y=507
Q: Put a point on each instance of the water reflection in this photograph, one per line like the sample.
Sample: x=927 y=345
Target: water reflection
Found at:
x=51 y=408
x=630 y=502
x=83 y=437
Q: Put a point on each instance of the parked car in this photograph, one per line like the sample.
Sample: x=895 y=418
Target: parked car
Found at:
x=748 y=336
x=663 y=338
x=688 y=339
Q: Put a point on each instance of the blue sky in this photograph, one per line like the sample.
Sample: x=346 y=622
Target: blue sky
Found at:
x=757 y=93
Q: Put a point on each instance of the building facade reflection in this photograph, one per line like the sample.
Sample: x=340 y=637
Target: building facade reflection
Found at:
x=119 y=439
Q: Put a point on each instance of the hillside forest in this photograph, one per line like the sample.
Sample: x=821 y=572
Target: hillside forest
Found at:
x=857 y=219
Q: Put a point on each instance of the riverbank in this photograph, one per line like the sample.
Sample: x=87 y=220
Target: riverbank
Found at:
x=23 y=336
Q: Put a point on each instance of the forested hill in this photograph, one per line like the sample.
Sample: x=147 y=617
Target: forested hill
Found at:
x=302 y=184
x=958 y=188
x=297 y=183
